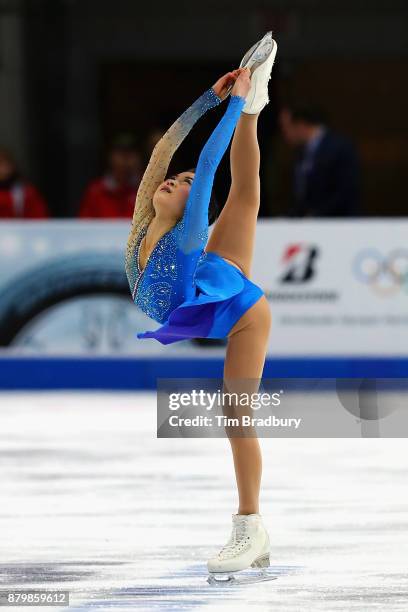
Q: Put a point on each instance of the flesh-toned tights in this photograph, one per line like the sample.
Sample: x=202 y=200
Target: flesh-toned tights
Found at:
x=233 y=238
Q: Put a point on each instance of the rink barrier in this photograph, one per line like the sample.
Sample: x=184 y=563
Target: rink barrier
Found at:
x=105 y=373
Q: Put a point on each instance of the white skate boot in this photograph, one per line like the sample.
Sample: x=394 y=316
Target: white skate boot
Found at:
x=248 y=546
x=259 y=59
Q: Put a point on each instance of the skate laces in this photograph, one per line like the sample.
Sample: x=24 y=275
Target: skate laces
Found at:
x=236 y=542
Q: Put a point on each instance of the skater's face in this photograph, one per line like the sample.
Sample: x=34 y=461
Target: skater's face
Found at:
x=171 y=195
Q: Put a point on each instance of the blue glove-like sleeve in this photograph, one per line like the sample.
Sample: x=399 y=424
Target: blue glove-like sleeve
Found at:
x=194 y=232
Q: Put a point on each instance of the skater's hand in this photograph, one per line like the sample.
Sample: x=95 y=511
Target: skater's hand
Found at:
x=224 y=84
x=242 y=84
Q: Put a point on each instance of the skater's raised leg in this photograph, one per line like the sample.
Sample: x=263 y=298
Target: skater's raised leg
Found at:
x=233 y=236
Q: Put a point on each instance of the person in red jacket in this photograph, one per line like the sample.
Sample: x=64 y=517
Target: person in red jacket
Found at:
x=114 y=194
x=18 y=198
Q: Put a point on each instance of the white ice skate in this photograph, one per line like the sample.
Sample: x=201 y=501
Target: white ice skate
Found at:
x=247 y=547
x=259 y=59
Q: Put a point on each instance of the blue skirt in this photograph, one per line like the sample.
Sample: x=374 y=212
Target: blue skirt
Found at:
x=222 y=295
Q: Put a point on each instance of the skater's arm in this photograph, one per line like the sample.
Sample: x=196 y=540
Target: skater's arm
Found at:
x=195 y=220
x=159 y=162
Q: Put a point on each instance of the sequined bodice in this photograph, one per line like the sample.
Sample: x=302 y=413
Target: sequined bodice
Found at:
x=168 y=277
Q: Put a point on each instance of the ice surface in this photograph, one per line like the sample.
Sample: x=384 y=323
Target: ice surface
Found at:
x=93 y=502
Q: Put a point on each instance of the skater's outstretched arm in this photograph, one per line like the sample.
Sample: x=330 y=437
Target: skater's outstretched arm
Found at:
x=159 y=162
x=195 y=220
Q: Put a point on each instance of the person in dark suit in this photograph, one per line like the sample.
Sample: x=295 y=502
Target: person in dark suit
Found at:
x=326 y=181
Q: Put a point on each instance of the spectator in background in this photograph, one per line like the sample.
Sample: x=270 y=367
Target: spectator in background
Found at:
x=113 y=195
x=18 y=198
x=326 y=173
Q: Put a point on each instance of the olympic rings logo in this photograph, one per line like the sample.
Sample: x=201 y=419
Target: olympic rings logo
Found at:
x=386 y=275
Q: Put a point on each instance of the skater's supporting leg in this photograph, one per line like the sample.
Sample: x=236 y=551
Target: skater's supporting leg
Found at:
x=233 y=236
x=244 y=362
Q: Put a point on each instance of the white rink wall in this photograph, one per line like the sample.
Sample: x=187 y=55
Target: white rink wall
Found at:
x=336 y=288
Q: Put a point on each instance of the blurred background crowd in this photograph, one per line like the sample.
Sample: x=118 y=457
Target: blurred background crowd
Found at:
x=87 y=91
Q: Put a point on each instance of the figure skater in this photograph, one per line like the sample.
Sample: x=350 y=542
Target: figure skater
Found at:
x=198 y=287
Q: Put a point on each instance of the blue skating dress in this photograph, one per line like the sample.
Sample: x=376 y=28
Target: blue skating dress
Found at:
x=192 y=293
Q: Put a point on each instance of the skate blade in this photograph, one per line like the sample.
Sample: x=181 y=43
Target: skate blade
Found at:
x=242 y=580
x=221 y=579
x=239 y=580
x=245 y=576
x=249 y=57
